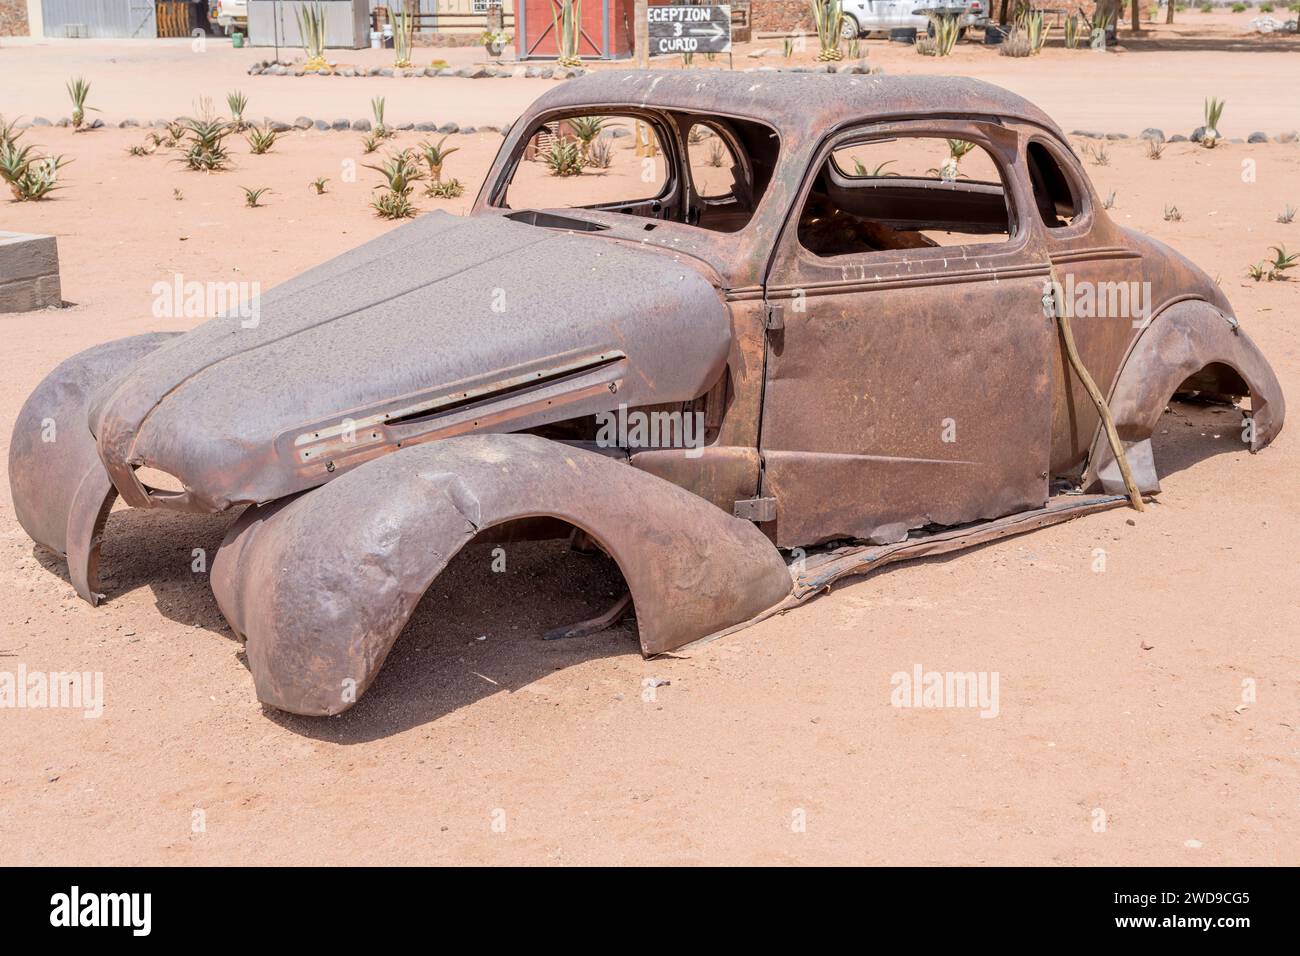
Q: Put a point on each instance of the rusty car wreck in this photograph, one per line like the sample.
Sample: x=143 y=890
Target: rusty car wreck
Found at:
x=879 y=356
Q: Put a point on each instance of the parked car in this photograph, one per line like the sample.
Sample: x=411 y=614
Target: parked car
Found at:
x=229 y=15
x=800 y=326
x=862 y=17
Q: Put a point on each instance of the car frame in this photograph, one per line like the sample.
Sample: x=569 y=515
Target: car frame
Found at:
x=374 y=428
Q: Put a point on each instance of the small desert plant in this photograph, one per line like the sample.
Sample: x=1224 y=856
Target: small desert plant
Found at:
x=9 y=134
x=445 y=189
x=1239 y=8
x=175 y=133
x=828 y=21
x=1072 y=32
x=1257 y=270
x=855 y=49
x=311 y=25
x=1266 y=8
x=29 y=175
x=237 y=102
x=860 y=170
x=370 y=143
x=1172 y=213
x=1287 y=215
x=563 y=158
x=566 y=18
x=1099 y=154
x=602 y=153
x=318 y=184
x=948 y=172
x=79 y=90
x=206 y=150
x=1282 y=260
x=1032 y=23
x=586 y=129
x=717 y=157
x=138 y=150
x=261 y=139
x=687 y=60
x=401 y=171
x=787 y=47
x=1213 y=113
x=1109 y=201
x=1155 y=148
x=403 y=27
x=435 y=154
x=1016 y=44
x=377 y=105
x=945 y=37
x=253 y=196
x=177 y=195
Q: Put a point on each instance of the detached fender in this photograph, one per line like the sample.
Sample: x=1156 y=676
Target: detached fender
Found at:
x=322 y=584
x=61 y=492
x=1181 y=341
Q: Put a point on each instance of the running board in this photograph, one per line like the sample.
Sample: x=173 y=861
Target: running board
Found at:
x=821 y=571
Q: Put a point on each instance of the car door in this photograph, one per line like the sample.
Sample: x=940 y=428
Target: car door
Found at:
x=906 y=383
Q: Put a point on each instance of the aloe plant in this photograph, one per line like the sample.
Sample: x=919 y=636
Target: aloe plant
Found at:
x=1287 y=215
x=377 y=105
x=567 y=20
x=1072 y=32
x=79 y=90
x=563 y=158
x=311 y=24
x=261 y=139
x=403 y=27
x=944 y=39
x=828 y=21
x=445 y=189
x=401 y=171
x=206 y=150
x=29 y=175
x=586 y=129
x=318 y=184
x=1282 y=260
x=1213 y=113
x=253 y=196
x=237 y=102
x=435 y=154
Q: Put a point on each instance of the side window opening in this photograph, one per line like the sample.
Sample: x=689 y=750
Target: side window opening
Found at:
x=904 y=192
x=630 y=165
x=1057 y=204
x=592 y=162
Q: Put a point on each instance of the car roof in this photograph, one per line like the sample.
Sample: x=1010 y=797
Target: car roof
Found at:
x=799 y=104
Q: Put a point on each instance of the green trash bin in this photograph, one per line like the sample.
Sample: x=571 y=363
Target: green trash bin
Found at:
x=237 y=40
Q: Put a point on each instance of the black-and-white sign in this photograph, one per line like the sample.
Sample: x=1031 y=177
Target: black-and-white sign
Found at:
x=689 y=29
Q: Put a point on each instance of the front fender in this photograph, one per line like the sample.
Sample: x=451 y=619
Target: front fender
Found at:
x=322 y=584
x=61 y=492
x=1181 y=341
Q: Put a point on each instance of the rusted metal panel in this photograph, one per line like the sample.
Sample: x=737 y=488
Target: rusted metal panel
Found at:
x=60 y=491
x=321 y=585
x=443 y=326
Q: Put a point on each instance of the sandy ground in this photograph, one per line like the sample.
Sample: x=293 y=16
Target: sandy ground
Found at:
x=1121 y=693
x=1171 y=69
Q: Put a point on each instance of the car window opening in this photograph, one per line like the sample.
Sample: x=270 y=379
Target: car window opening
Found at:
x=679 y=167
x=908 y=192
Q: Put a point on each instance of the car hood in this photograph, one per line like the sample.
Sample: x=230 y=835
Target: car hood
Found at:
x=443 y=326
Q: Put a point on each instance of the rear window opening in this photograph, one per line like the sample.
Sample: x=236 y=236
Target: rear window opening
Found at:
x=905 y=192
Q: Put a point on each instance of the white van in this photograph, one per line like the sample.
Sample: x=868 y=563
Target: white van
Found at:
x=869 y=16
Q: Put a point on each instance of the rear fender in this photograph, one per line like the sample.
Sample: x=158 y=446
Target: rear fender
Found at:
x=1181 y=341
x=322 y=584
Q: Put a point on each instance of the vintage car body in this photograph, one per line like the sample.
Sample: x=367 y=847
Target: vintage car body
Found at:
x=447 y=380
